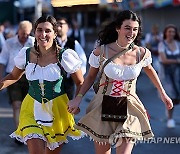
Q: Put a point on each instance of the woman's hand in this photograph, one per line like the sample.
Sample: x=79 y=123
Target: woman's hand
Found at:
x=167 y=101
x=73 y=105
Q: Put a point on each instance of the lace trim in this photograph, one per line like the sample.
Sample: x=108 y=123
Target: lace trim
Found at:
x=116 y=139
x=51 y=146
x=100 y=143
x=121 y=132
x=78 y=137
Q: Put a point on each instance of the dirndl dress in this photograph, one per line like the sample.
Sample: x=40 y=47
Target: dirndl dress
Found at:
x=122 y=83
x=44 y=112
x=169 y=74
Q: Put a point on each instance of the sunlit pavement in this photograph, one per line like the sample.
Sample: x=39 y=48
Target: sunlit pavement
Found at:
x=166 y=140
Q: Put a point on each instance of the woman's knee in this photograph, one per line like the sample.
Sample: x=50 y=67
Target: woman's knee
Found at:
x=36 y=146
x=102 y=148
x=125 y=147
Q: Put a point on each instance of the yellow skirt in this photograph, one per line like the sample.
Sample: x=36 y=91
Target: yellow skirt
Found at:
x=63 y=124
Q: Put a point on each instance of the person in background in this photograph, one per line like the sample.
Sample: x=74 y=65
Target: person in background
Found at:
x=67 y=42
x=11 y=48
x=118 y=82
x=45 y=122
x=9 y=30
x=169 y=57
x=77 y=33
x=2 y=38
x=152 y=40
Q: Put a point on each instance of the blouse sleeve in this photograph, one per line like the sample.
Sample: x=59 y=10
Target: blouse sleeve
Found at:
x=94 y=60
x=147 y=59
x=20 y=59
x=70 y=61
x=161 y=47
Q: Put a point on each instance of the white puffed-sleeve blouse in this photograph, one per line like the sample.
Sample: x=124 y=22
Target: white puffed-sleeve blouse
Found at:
x=70 y=62
x=121 y=72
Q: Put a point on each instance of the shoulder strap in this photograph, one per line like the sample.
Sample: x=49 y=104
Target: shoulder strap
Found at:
x=139 y=54
x=106 y=51
x=27 y=56
x=60 y=54
x=64 y=73
x=115 y=56
x=138 y=57
x=145 y=54
x=101 y=54
x=166 y=46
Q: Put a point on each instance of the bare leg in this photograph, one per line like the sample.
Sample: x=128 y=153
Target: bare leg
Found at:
x=55 y=151
x=16 y=110
x=36 y=146
x=125 y=147
x=102 y=149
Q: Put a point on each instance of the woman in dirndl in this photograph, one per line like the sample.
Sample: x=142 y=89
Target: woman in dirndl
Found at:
x=45 y=122
x=118 y=82
x=169 y=73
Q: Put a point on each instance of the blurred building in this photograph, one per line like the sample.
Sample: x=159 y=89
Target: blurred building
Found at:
x=91 y=16
x=160 y=12
x=18 y=10
x=6 y=10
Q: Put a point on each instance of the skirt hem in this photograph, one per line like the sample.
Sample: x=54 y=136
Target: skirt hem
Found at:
x=104 y=139
x=51 y=146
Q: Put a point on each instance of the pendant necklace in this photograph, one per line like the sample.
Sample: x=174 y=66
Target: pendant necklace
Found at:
x=120 y=45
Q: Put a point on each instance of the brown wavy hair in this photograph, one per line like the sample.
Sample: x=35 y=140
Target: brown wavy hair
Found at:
x=109 y=33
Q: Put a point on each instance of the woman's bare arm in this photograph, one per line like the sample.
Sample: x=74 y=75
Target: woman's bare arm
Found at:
x=11 y=78
x=78 y=80
x=151 y=73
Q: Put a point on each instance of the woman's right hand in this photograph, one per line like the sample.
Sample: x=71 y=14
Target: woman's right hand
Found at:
x=167 y=100
x=73 y=105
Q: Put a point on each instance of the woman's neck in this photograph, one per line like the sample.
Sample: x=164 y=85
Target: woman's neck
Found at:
x=121 y=45
x=45 y=51
x=170 y=40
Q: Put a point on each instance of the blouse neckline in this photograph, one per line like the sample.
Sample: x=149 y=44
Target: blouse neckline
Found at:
x=43 y=66
x=125 y=65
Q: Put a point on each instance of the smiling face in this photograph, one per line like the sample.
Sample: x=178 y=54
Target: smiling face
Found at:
x=45 y=34
x=127 y=32
x=170 y=33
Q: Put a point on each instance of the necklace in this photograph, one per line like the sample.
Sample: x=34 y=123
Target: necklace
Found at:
x=119 y=45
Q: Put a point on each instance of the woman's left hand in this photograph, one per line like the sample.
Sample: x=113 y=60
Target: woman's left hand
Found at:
x=167 y=101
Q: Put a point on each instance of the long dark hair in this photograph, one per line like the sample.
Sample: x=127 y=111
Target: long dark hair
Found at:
x=53 y=21
x=109 y=33
x=176 y=37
